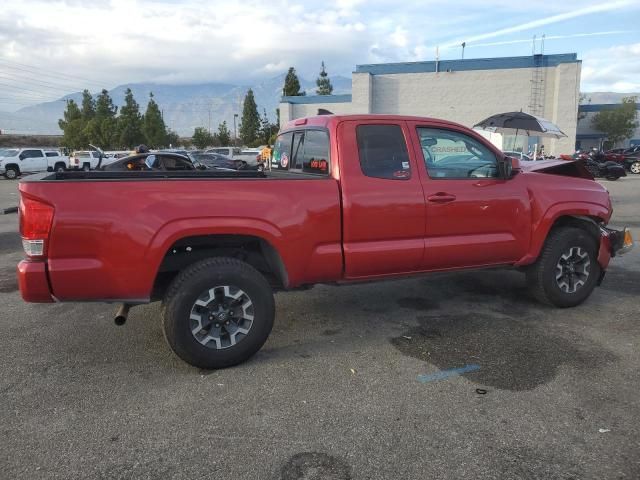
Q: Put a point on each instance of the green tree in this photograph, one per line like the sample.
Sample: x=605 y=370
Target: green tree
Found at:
x=292 y=84
x=153 y=127
x=72 y=127
x=250 y=125
x=617 y=124
x=267 y=129
x=88 y=106
x=224 y=135
x=130 y=122
x=202 y=138
x=101 y=130
x=323 y=83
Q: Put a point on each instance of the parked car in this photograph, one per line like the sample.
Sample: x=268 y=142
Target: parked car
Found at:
x=216 y=161
x=632 y=160
x=226 y=151
x=17 y=161
x=151 y=161
x=519 y=155
x=349 y=198
x=84 y=160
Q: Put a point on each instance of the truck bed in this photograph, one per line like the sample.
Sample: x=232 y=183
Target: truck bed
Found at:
x=111 y=231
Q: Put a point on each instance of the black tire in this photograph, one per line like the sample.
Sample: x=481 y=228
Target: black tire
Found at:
x=11 y=173
x=612 y=178
x=542 y=275
x=180 y=302
x=86 y=167
x=60 y=168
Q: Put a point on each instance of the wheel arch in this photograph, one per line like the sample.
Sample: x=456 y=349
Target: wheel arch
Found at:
x=253 y=249
x=15 y=166
x=587 y=216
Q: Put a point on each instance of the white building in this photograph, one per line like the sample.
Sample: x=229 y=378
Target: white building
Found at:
x=464 y=91
x=588 y=137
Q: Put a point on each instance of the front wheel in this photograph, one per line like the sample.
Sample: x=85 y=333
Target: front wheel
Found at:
x=635 y=168
x=11 y=173
x=567 y=269
x=612 y=178
x=218 y=312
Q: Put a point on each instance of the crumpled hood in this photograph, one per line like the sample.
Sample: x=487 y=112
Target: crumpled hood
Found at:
x=569 y=168
x=542 y=165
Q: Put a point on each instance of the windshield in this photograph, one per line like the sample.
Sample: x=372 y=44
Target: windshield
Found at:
x=8 y=152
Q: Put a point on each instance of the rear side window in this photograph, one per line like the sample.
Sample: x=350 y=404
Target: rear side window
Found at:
x=383 y=152
x=304 y=151
x=52 y=154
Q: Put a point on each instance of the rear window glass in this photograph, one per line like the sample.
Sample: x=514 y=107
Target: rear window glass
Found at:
x=52 y=154
x=302 y=151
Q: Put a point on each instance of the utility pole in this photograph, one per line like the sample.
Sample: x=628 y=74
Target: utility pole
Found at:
x=464 y=44
x=235 y=130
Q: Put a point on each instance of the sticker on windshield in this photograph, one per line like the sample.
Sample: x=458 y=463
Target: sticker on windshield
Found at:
x=284 y=160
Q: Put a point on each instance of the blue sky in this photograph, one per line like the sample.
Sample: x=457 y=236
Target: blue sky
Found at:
x=48 y=48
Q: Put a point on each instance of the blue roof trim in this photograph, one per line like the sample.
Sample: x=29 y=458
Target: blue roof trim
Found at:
x=310 y=99
x=599 y=107
x=587 y=136
x=499 y=63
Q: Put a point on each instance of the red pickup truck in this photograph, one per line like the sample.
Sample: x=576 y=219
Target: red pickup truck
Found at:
x=347 y=199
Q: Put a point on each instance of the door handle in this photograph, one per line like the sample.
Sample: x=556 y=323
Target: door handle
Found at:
x=441 y=197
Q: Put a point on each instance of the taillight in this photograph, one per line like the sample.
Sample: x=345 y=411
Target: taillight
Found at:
x=35 y=225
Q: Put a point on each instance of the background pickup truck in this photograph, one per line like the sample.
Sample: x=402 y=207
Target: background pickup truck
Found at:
x=16 y=161
x=348 y=199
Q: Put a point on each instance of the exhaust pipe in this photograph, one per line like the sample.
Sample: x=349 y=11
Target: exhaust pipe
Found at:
x=122 y=314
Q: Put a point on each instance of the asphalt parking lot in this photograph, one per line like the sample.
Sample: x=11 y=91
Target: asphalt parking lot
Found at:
x=355 y=382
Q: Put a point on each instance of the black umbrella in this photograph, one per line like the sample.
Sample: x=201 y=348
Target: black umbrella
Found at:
x=520 y=122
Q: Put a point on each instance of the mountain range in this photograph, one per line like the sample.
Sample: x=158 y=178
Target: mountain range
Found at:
x=184 y=107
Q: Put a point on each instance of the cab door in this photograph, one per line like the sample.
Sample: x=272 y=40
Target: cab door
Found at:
x=383 y=203
x=473 y=217
x=32 y=160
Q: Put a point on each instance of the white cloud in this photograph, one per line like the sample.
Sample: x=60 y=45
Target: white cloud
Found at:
x=96 y=43
x=614 y=69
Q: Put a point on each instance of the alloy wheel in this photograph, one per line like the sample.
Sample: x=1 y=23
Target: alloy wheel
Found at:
x=221 y=317
x=572 y=269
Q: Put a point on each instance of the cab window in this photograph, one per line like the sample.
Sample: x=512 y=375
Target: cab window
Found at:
x=449 y=154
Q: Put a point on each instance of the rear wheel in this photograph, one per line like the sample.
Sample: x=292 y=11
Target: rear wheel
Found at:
x=218 y=313
x=11 y=173
x=60 y=168
x=567 y=270
x=86 y=167
x=635 y=167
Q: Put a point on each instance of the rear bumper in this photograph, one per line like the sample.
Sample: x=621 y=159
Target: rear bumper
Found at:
x=33 y=283
x=613 y=243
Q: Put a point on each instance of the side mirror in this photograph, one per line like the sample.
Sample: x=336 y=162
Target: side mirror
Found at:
x=21 y=156
x=505 y=167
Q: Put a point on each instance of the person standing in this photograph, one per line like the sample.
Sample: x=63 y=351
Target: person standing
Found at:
x=265 y=156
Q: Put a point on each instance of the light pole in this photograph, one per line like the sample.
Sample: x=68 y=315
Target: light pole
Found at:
x=235 y=131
